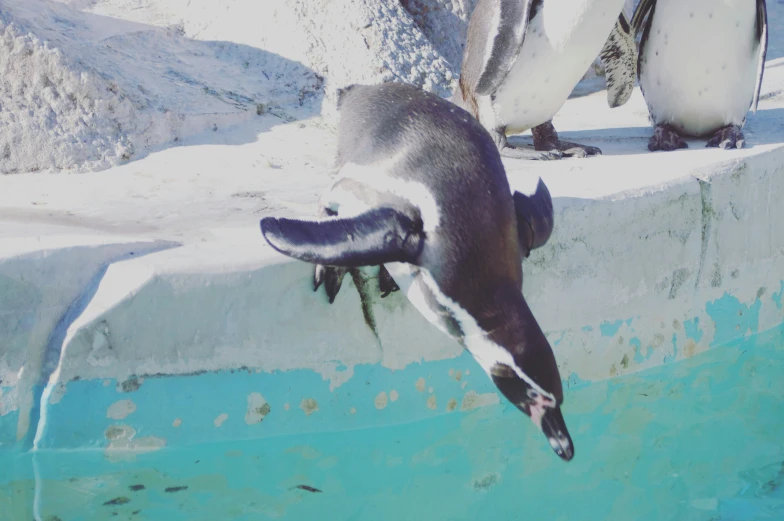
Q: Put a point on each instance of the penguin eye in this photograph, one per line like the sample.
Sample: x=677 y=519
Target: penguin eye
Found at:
x=533 y=394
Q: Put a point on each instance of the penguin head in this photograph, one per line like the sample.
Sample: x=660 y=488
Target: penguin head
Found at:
x=543 y=407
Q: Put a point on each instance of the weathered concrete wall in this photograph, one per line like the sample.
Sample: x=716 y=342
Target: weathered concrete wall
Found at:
x=625 y=283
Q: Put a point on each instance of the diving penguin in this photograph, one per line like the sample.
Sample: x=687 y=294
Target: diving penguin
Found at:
x=700 y=67
x=422 y=194
x=523 y=58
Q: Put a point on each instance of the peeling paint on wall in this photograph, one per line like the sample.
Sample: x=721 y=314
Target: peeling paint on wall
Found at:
x=124 y=446
x=732 y=318
x=309 y=405
x=257 y=409
x=121 y=409
x=472 y=400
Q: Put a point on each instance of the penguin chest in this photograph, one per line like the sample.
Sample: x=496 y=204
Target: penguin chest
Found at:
x=561 y=41
x=418 y=286
x=698 y=68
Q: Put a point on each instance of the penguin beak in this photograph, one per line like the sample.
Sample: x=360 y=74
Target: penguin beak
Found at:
x=543 y=410
x=554 y=427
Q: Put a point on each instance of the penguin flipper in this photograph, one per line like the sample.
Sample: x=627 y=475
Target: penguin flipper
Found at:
x=762 y=38
x=535 y=219
x=619 y=57
x=644 y=8
x=500 y=25
x=374 y=237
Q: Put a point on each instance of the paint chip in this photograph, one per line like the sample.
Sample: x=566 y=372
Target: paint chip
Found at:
x=486 y=482
x=120 y=409
x=177 y=422
x=130 y=385
x=353 y=410
x=257 y=409
x=451 y=405
x=393 y=395
x=124 y=445
x=689 y=348
x=420 y=385
x=472 y=400
x=431 y=403
x=286 y=406
x=458 y=375
x=222 y=417
x=451 y=372
x=430 y=390
x=309 y=405
x=381 y=400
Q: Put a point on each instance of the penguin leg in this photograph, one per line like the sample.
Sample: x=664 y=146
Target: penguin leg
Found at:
x=546 y=138
x=665 y=138
x=728 y=137
x=511 y=151
x=330 y=276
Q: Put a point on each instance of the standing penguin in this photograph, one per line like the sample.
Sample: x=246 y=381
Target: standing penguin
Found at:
x=422 y=194
x=700 y=68
x=523 y=58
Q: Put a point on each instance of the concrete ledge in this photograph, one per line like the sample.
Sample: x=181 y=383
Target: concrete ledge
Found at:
x=627 y=282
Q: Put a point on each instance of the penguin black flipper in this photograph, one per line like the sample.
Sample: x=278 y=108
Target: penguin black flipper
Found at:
x=374 y=237
x=619 y=57
x=535 y=219
x=487 y=70
x=762 y=38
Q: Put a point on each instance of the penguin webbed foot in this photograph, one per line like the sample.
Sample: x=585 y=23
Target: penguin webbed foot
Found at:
x=386 y=284
x=727 y=138
x=666 y=139
x=546 y=139
x=331 y=277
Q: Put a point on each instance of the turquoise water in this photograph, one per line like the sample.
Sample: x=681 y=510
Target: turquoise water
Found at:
x=699 y=439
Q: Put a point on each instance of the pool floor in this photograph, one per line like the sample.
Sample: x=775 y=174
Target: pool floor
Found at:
x=701 y=439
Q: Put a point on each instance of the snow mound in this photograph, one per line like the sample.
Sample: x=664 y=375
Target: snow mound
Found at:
x=85 y=92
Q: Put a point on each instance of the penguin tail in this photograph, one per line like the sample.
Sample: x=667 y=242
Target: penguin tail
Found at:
x=535 y=218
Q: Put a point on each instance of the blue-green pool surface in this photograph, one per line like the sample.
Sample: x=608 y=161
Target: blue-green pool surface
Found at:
x=698 y=439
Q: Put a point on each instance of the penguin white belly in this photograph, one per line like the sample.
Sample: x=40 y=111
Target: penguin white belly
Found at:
x=561 y=42
x=699 y=65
